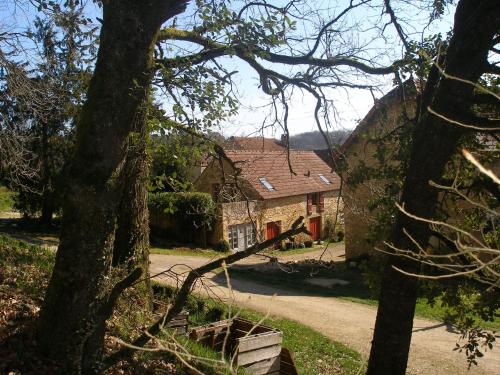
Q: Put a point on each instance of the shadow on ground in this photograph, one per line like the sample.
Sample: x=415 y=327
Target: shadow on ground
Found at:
x=292 y=278
x=30 y=231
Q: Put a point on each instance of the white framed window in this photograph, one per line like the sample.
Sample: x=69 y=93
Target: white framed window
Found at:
x=241 y=236
x=233 y=237
x=250 y=235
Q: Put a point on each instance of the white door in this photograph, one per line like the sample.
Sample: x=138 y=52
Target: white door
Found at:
x=241 y=238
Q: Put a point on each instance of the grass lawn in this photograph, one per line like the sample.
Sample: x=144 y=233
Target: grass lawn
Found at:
x=187 y=251
x=313 y=353
x=285 y=253
x=6 y=199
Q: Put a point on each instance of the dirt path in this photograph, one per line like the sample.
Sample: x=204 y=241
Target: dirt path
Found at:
x=343 y=321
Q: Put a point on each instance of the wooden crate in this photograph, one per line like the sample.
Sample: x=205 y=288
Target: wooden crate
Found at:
x=256 y=348
x=287 y=365
x=179 y=324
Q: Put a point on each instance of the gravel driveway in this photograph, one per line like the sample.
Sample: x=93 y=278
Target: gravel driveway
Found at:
x=347 y=322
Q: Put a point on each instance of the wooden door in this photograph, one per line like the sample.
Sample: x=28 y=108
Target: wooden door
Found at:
x=273 y=230
x=315 y=227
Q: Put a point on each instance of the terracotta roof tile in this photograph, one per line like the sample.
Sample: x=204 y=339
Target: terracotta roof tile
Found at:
x=273 y=166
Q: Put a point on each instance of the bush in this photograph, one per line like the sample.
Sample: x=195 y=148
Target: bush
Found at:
x=222 y=246
x=340 y=236
x=188 y=215
x=192 y=208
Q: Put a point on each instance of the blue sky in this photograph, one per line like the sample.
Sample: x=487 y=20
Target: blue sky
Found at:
x=350 y=105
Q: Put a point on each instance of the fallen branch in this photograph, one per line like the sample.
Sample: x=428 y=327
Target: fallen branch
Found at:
x=180 y=300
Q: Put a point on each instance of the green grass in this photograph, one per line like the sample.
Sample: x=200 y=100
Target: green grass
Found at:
x=186 y=251
x=285 y=253
x=439 y=312
x=314 y=354
x=6 y=199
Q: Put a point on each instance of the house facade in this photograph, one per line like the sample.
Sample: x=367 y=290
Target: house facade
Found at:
x=360 y=150
x=262 y=192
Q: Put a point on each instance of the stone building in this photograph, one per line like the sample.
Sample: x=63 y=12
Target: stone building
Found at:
x=262 y=192
x=360 y=149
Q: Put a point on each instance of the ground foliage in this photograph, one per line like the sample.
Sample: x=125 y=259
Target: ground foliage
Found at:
x=24 y=273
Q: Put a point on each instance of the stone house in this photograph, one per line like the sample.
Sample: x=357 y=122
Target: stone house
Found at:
x=359 y=149
x=262 y=192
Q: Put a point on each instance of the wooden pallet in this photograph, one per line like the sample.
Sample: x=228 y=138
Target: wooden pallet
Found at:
x=257 y=348
x=179 y=324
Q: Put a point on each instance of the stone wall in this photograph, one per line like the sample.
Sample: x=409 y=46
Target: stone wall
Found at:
x=284 y=210
x=358 y=218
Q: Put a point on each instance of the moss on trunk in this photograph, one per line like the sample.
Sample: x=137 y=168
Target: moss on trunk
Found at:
x=78 y=298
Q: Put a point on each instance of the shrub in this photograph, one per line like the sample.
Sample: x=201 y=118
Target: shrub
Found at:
x=329 y=228
x=222 y=246
x=196 y=209
x=187 y=215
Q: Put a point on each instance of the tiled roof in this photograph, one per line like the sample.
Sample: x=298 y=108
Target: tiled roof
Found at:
x=396 y=95
x=253 y=144
x=274 y=167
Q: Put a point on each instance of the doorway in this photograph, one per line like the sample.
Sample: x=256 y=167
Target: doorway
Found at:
x=315 y=228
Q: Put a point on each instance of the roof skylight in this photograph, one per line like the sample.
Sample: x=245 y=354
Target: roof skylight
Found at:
x=266 y=184
x=324 y=179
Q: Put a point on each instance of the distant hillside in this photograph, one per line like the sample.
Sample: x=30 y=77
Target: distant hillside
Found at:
x=315 y=141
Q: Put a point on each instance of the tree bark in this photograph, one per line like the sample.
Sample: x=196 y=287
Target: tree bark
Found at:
x=78 y=298
x=131 y=246
x=434 y=143
x=47 y=192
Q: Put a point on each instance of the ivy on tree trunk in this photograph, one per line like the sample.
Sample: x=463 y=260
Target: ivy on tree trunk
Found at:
x=79 y=297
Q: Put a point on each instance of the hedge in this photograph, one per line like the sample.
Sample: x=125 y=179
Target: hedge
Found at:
x=190 y=211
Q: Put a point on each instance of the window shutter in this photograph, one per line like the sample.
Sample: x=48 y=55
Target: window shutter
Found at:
x=321 y=202
x=309 y=204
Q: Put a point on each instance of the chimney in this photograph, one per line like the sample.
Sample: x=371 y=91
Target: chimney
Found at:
x=284 y=139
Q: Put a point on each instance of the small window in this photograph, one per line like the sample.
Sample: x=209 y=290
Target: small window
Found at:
x=315 y=199
x=250 y=233
x=324 y=179
x=266 y=183
x=233 y=237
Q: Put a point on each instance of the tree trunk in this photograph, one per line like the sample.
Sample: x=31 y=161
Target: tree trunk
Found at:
x=47 y=193
x=434 y=143
x=131 y=246
x=78 y=299
x=47 y=207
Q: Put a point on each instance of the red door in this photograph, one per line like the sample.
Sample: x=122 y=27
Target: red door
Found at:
x=272 y=230
x=315 y=227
